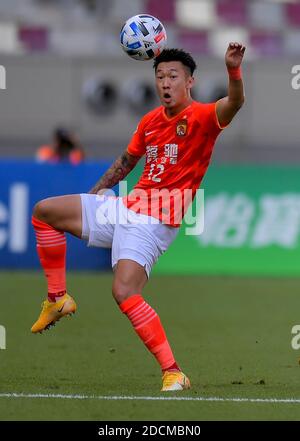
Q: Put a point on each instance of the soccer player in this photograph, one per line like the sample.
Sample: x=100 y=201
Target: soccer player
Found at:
x=177 y=138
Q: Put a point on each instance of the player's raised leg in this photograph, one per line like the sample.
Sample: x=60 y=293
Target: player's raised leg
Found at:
x=51 y=219
x=129 y=280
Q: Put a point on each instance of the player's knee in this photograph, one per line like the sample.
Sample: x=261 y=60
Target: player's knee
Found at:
x=121 y=291
x=42 y=210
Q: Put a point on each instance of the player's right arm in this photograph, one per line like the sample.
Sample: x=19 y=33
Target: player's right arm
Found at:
x=125 y=163
x=118 y=171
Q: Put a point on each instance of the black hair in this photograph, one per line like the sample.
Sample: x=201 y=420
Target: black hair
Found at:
x=176 y=55
x=64 y=142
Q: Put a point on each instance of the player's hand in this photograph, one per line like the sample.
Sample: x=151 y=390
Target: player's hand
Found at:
x=234 y=54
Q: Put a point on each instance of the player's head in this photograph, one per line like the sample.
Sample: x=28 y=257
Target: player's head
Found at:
x=180 y=55
x=174 y=69
x=63 y=142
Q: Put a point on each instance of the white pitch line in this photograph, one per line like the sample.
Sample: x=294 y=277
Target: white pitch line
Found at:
x=141 y=398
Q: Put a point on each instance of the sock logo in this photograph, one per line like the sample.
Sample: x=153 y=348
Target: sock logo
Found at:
x=60 y=310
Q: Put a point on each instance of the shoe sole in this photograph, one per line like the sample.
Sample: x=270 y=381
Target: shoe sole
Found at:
x=53 y=323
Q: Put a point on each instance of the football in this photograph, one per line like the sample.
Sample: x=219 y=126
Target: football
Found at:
x=143 y=37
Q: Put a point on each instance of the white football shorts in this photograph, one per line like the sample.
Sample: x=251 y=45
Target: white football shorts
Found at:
x=108 y=223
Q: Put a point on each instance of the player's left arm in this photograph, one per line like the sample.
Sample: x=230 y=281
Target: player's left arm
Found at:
x=228 y=106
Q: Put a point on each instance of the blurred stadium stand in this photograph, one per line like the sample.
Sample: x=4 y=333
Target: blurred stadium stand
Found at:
x=59 y=25
x=64 y=66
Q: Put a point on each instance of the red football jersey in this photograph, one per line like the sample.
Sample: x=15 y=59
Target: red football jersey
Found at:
x=178 y=151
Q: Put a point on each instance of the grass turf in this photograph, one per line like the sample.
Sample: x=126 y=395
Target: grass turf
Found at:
x=232 y=336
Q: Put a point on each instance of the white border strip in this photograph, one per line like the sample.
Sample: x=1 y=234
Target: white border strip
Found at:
x=141 y=398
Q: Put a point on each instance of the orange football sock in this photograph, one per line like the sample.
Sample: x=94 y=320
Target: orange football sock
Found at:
x=51 y=249
x=148 y=326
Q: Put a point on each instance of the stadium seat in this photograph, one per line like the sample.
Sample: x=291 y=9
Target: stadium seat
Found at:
x=218 y=40
x=164 y=10
x=265 y=15
x=292 y=11
x=194 y=41
x=196 y=14
x=232 y=12
x=292 y=43
x=266 y=43
x=9 y=42
x=34 y=38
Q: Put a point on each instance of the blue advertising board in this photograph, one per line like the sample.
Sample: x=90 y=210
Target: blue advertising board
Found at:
x=22 y=184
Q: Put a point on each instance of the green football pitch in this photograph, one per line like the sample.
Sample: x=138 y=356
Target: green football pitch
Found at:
x=232 y=337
